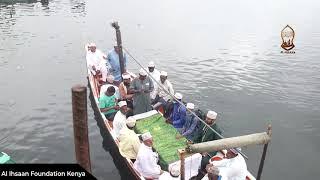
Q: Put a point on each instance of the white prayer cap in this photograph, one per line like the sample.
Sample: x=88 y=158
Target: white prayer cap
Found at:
x=163 y=73
x=178 y=96
x=122 y=103
x=110 y=78
x=92 y=45
x=146 y=136
x=142 y=72
x=190 y=105
x=175 y=170
x=212 y=115
x=131 y=121
x=151 y=64
x=126 y=76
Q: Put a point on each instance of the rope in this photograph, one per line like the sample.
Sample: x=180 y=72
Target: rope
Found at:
x=172 y=96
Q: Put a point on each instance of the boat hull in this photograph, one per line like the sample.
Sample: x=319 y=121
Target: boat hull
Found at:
x=124 y=165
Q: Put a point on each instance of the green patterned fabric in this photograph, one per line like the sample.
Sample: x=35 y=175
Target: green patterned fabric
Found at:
x=164 y=137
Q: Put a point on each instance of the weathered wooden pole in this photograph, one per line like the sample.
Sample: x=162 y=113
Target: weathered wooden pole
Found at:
x=263 y=157
x=119 y=44
x=182 y=163
x=80 y=126
x=228 y=143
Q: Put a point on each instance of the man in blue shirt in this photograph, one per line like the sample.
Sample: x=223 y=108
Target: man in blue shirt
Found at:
x=191 y=123
x=113 y=61
x=178 y=115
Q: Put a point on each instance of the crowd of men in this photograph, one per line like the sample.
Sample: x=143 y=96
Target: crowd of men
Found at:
x=122 y=96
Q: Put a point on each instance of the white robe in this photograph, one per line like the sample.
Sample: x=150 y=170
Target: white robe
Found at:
x=118 y=123
x=96 y=59
x=146 y=162
x=167 y=86
x=232 y=169
x=156 y=75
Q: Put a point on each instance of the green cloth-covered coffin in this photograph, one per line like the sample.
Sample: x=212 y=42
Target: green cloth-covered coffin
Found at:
x=164 y=137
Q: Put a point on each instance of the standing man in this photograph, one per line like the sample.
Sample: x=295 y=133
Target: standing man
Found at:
x=146 y=162
x=162 y=97
x=113 y=60
x=96 y=62
x=205 y=134
x=120 y=118
x=124 y=90
x=141 y=87
x=156 y=77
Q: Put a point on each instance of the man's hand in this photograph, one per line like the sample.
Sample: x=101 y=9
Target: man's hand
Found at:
x=189 y=142
x=178 y=136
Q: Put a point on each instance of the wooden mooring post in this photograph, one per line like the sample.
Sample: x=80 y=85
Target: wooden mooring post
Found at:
x=182 y=153
x=80 y=126
x=263 y=157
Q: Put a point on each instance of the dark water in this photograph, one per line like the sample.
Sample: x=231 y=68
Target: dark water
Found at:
x=223 y=56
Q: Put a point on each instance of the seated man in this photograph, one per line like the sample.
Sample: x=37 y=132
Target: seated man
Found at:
x=96 y=62
x=191 y=124
x=110 y=82
x=178 y=115
x=120 y=118
x=107 y=103
x=162 y=96
x=205 y=134
x=123 y=90
x=129 y=141
x=146 y=162
x=113 y=61
x=233 y=166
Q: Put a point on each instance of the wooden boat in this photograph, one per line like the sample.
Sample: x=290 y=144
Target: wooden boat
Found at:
x=93 y=85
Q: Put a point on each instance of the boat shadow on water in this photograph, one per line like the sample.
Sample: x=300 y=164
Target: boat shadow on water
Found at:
x=108 y=143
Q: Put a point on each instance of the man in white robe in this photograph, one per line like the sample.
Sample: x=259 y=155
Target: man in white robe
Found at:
x=119 y=120
x=156 y=77
x=146 y=162
x=96 y=62
x=162 y=96
x=233 y=167
x=129 y=141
